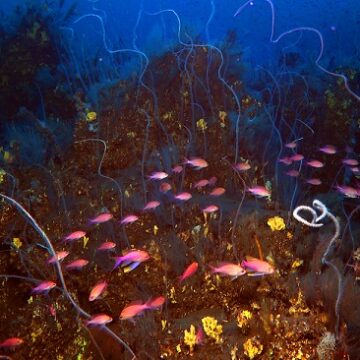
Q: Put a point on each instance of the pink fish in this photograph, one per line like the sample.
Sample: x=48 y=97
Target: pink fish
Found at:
x=76 y=235
x=151 y=205
x=133 y=256
x=177 y=169
x=348 y=191
x=293 y=173
x=184 y=196
x=107 y=245
x=291 y=145
x=243 y=166
x=189 y=271
x=328 y=149
x=77 y=264
x=314 y=181
x=60 y=255
x=199 y=337
x=197 y=163
x=210 y=209
x=355 y=169
x=158 y=175
x=297 y=157
x=212 y=180
x=315 y=164
x=164 y=187
x=129 y=219
x=350 y=162
x=137 y=307
x=44 y=286
x=286 y=160
x=104 y=217
x=201 y=183
x=260 y=191
x=11 y=342
x=257 y=267
x=228 y=269
x=99 y=320
x=97 y=290
x=217 y=191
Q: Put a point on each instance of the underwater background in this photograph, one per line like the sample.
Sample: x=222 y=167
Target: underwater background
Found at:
x=179 y=179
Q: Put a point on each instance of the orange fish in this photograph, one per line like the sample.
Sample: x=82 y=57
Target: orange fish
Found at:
x=197 y=163
x=189 y=271
x=60 y=255
x=76 y=235
x=100 y=319
x=77 y=264
x=218 y=191
x=97 y=290
x=229 y=269
x=257 y=267
x=137 y=307
x=44 y=286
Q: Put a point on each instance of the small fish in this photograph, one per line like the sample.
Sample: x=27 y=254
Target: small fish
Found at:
x=293 y=173
x=107 y=245
x=260 y=191
x=291 y=145
x=97 y=290
x=314 y=181
x=138 y=256
x=257 y=267
x=328 y=149
x=104 y=217
x=76 y=235
x=199 y=337
x=158 y=175
x=189 y=271
x=243 y=166
x=201 y=183
x=297 y=157
x=349 y=191
x=228 y=269
x=60 y=255
x=286 y=160
x=355 y=169
x=217 y=191
x=184 y=196
x=212 y=180
x=210 y=209
x=44 y=286
x=164 y=187
x=177 y=169
x=315 y=164
x=98 y=320
x=151 y=205
x=350 y=162
x=11 y=342
x=129 y=219
x=197 y=163
x=52 y=310
x=137 y=307
x=77 y=264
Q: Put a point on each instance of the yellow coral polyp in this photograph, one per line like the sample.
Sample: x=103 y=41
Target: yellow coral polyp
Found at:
x=212 y=329
x=190 y=338
x=276 y=223
x=91 y=116
x=201 y=124
x=252 y=348
x=243 y=318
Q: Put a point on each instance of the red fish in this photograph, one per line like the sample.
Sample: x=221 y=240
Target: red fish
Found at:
x=129 y=219
x=158 y=175
x=104 y=217
x=243 y=166
x=107 y=245
x=197 y=163
x=44 y=286
x=76 y=235
x=315 y=164
x=184 y=196
x=260 y=191
x=257 y=267
x=164 y=187
x=151 y=205
x=210 y=209
x=189 y=271
x=77 y=264
x=97 y=290
x=133 y=256
x=328 y=149
x=228 y=269
x=11 y=342
x=137 y=307
x=60 y=255
x=99 y=320
x=218 y=191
